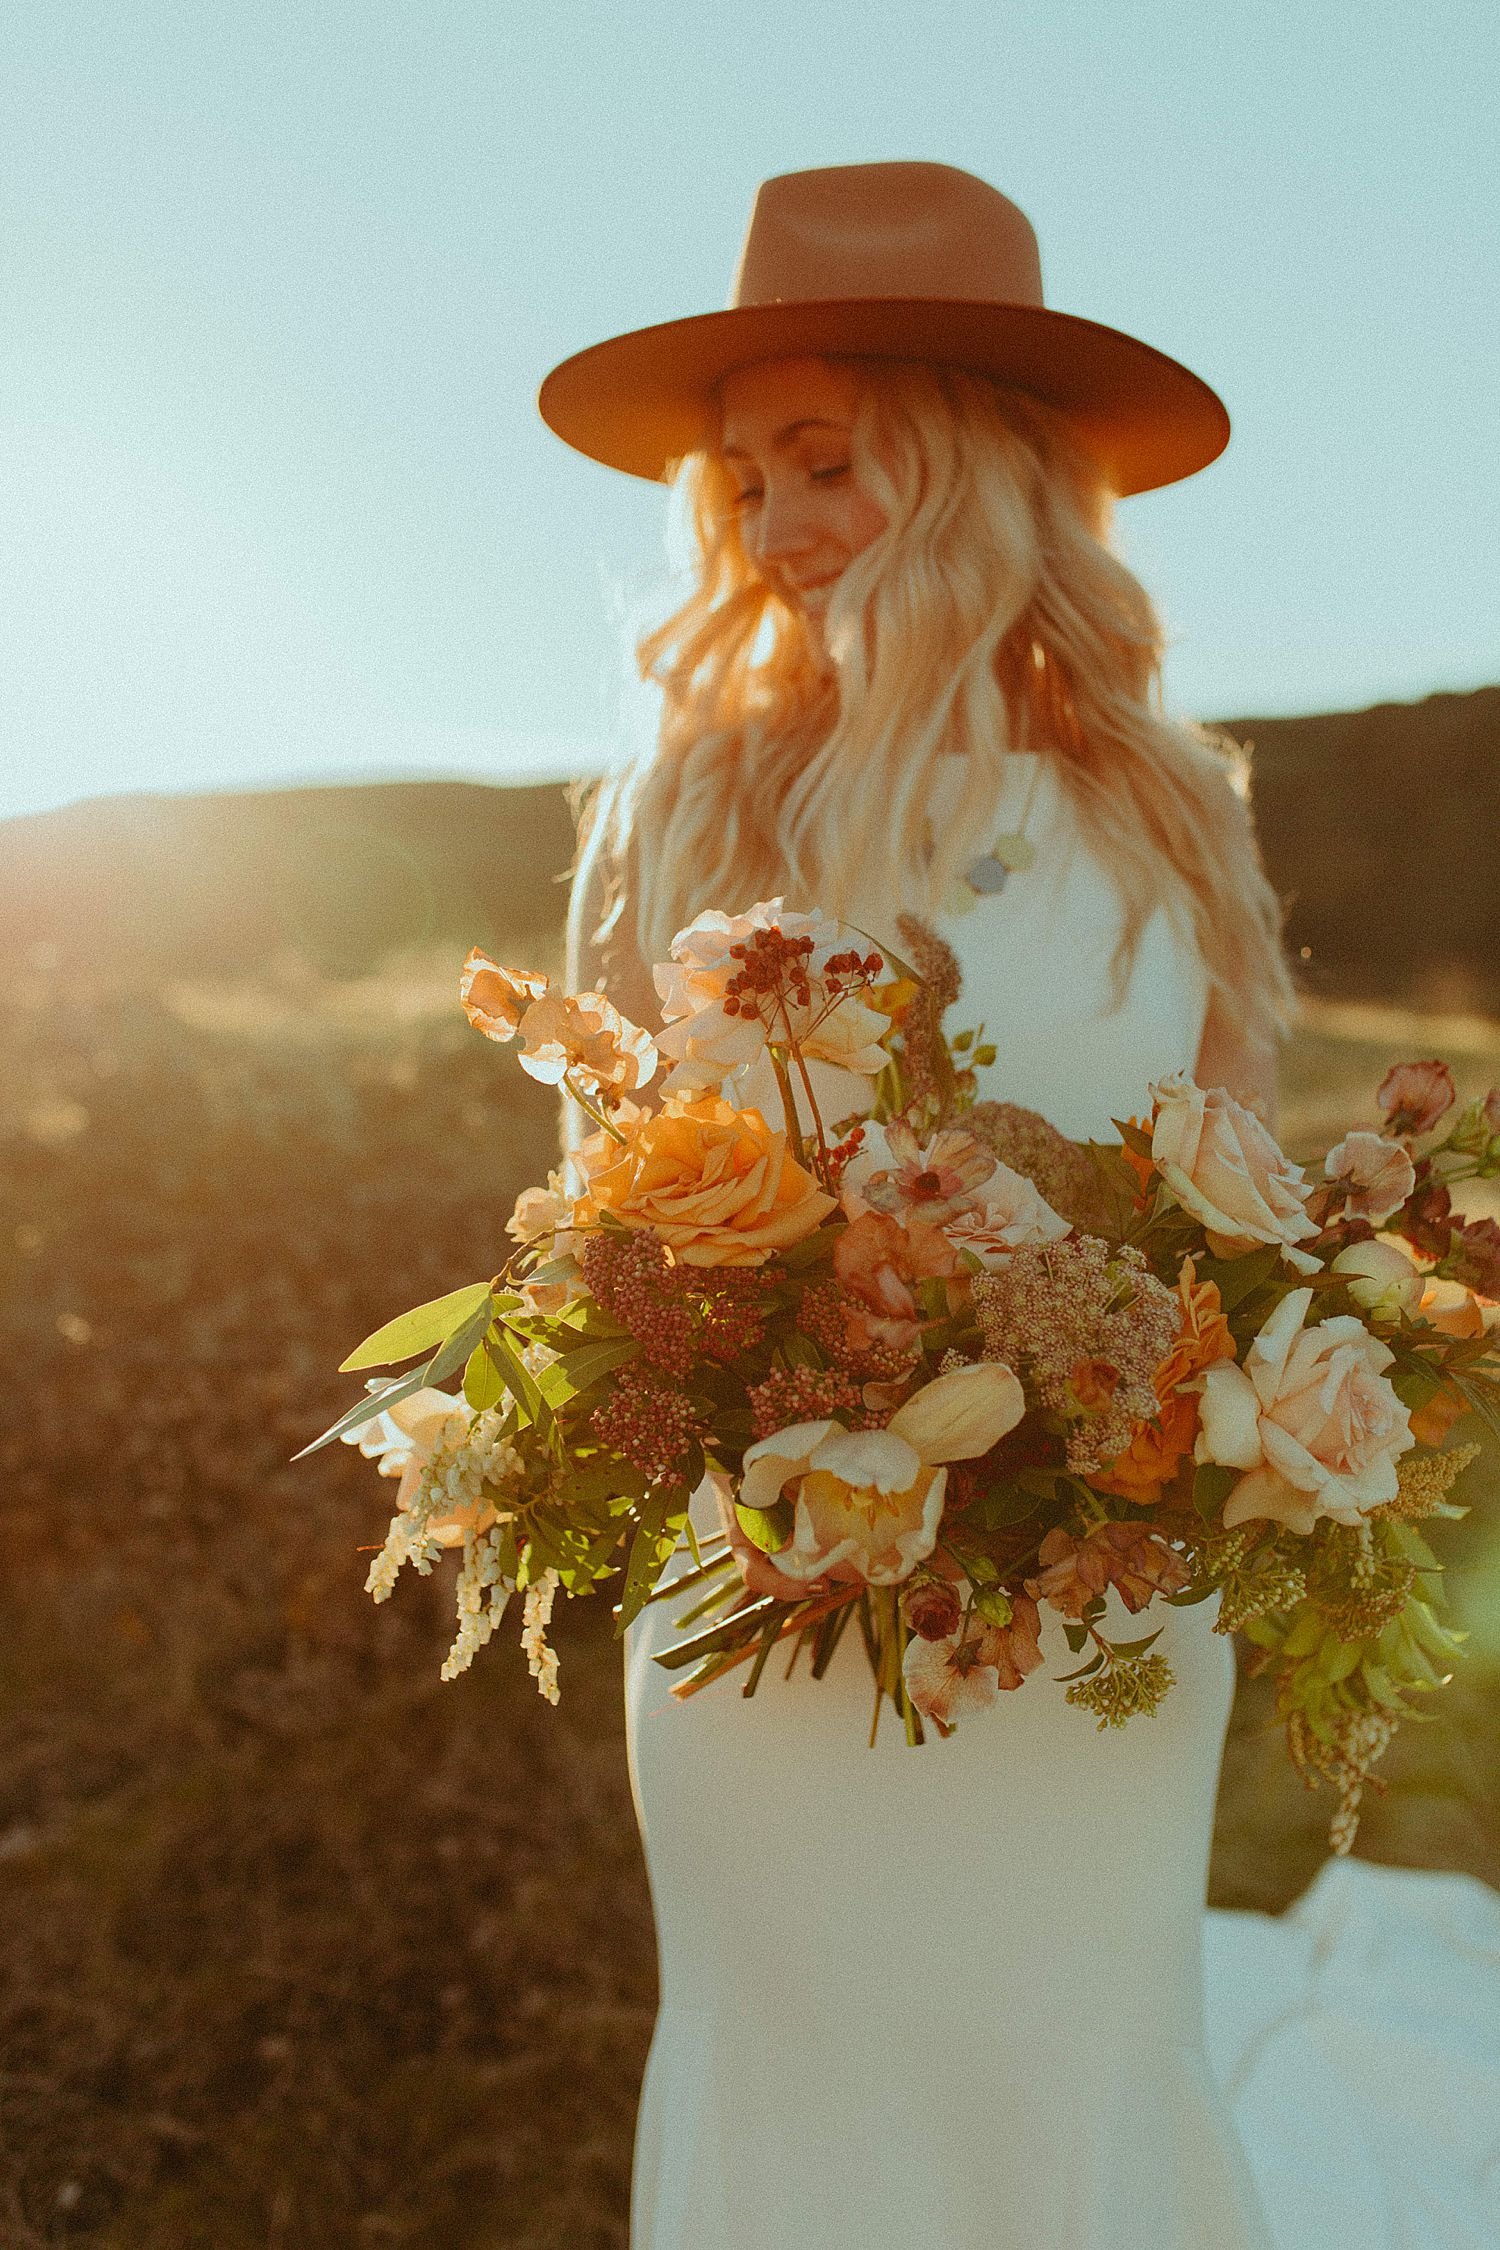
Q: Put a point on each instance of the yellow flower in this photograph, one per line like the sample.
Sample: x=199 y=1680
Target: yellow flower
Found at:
x=583 y=1036
x=495 y=999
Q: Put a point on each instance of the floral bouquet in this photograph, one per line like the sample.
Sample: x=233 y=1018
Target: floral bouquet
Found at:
x=942 y=1367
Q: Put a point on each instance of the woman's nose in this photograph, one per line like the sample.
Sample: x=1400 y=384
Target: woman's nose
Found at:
x=782 y=532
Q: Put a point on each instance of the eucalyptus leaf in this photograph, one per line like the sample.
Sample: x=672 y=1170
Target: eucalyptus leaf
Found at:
x=519 y=1380
x=445 y=1361
x=1084 y=1671
x=592 y=1361
x=661 y=1518
x=418 y=1330
x=484 y=1385
x=1135 y=1648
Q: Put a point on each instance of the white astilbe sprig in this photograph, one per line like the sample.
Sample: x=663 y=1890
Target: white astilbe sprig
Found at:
x=481 y=1594
x=541 y=1660
x=451 y=1497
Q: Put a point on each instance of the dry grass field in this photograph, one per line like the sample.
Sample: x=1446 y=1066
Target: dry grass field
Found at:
x=302 y=1947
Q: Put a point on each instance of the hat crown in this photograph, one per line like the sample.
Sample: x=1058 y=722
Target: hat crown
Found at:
x=882 y=231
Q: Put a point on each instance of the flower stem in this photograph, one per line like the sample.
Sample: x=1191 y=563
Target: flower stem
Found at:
x=788 y=1102
x=590 y=1109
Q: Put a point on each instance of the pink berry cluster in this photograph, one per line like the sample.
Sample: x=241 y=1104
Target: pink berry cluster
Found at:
x=823 y=1315
x=675 y=1313
x=802 y=1394
x=731 y=1306
x=650 y=1425
x=628 y=1274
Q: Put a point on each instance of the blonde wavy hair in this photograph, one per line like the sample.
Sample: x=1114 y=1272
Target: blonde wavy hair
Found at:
x=990 y=614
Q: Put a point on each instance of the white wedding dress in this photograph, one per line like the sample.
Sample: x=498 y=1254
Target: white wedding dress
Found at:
x=951 y=1998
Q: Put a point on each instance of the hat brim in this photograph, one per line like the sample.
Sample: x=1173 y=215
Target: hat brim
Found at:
x=639 y=402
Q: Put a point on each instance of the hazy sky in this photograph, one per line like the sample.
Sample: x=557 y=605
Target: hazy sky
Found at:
x=280 y=283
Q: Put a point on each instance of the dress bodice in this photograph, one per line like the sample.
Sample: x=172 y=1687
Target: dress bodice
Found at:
x=1036 y=960
x=1037 y=972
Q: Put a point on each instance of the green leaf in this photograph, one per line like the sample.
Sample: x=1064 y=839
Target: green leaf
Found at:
x=1211 y=1488
x=1076 y=1636
x=770 y=1529
x=1337 y=1659
x=1238 y=1278
x=591 y=1362
x=1003 y=1504
x=518 y=1378
x=419 y=1329
x=1135 y=1648
x=661 y=1518
x=1084 y=1671
x=484 y=1385
x=444 y=1362
x=1133 y=1136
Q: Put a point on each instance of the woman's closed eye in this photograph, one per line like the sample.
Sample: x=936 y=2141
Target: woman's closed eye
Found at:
x=754 y=493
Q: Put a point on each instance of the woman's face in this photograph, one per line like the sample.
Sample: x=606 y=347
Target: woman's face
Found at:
x=786 y=435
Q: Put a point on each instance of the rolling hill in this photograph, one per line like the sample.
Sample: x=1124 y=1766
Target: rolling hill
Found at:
x=1381 y=829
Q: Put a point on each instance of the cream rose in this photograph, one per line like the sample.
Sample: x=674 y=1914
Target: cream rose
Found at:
x=1226 y=1170
x=1310 y=1418
x=867 y=1503
x=1382 y=1278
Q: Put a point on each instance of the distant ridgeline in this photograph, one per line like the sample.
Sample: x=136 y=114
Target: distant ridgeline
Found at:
x=1381 y=829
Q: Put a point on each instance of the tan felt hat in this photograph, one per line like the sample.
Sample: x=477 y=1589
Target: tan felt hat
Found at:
x=894 y=261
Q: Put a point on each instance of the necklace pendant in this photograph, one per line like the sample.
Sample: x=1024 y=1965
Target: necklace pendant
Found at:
x=1015 y=853
x=988 y=876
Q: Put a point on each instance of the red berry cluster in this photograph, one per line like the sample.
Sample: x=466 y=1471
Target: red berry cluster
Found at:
x=773 y=969
x=838 y=1158
x=849 y=970
x=650 y=1425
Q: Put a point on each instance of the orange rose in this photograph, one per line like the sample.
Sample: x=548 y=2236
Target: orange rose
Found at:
x=714 y=1182
x=1157 y=1449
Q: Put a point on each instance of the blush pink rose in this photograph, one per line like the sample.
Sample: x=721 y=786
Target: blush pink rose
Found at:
x=1310 y=1418
x=1228 y=1173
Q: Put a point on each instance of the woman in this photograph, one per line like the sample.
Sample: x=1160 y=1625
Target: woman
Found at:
x=949 y=1996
